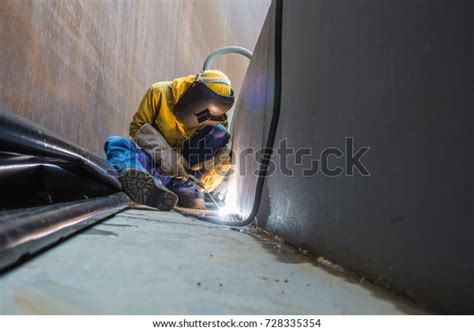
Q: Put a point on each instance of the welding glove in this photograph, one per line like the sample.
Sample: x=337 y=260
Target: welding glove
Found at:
x=215 y=169
x=171 y=162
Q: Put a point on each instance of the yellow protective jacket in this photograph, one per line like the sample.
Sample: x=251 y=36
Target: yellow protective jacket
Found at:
x=157 y=108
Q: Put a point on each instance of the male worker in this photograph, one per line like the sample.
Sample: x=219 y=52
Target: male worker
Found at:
x=179 y=129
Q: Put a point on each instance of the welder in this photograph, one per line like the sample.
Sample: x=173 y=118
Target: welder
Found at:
x=179 y=132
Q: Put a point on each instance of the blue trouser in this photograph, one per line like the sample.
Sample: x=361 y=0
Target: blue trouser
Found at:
x=122 y=153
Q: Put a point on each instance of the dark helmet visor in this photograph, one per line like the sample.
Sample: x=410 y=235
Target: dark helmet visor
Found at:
x=200 y=105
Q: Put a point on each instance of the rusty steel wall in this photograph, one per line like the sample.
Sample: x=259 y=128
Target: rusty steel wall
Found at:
x=80 y=68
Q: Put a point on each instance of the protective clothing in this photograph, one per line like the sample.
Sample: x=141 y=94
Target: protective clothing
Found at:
x=188 y=198
x=215 y=169
x=171 y=162
x=158 y=106
x=123 y=153
x=174 y=116
x=200 y=105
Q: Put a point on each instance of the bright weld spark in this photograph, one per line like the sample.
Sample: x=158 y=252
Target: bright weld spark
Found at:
x=231 y=206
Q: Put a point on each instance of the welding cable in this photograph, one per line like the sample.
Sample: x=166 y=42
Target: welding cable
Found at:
x=266 y=156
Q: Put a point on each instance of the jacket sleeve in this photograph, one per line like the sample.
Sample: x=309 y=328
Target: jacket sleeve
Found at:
x=147 y=111
x=155 y=145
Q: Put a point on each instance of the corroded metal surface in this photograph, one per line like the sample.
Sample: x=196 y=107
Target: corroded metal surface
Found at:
x=151 y=262
x=80 y=68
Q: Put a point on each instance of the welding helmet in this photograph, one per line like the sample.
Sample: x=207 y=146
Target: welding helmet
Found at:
x=202 y=105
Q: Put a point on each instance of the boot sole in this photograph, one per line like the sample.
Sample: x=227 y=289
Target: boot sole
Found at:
x=142 y=189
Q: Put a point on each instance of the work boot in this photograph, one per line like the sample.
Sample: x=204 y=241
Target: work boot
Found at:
x=192 y=200
x=143 y=189
x=188 y=196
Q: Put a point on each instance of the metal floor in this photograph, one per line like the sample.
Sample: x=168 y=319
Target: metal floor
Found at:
x=150 y=262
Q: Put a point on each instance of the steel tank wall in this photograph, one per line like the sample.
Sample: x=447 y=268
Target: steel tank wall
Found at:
x=397 y=76
x=80 y=68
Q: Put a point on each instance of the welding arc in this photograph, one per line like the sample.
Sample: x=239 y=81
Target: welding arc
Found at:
x=197 y=184
x=265 y=157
